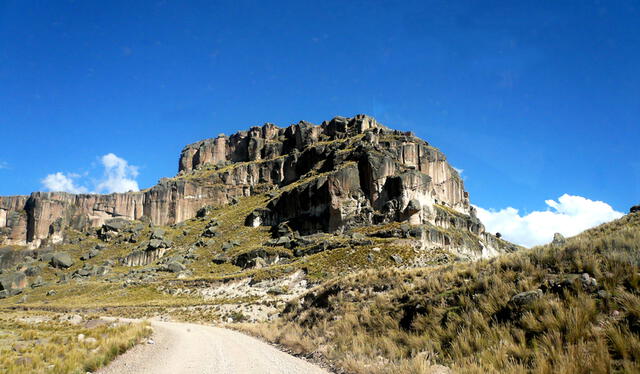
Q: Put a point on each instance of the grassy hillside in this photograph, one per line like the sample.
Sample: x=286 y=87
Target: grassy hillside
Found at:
x=573 y=308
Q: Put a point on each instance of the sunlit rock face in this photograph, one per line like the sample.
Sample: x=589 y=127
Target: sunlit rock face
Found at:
x=343 y=173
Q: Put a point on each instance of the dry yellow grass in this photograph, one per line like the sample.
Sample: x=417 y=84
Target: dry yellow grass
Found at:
x=52 y=345
x=462 y=316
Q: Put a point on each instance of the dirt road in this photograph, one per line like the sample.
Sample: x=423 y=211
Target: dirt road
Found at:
x=181 y=348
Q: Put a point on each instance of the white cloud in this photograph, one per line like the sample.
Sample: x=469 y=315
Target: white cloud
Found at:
x=118 y=176
x=569 y=216
x=460 y=171
x=60 y=182
x=4 y=165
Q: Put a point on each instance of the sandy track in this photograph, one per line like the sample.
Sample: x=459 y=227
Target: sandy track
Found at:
x=188 y=348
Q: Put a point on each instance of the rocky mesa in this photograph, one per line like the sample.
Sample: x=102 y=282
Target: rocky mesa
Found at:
x=341 y=174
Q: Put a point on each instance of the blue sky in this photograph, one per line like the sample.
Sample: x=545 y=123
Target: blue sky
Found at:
x=532 y=99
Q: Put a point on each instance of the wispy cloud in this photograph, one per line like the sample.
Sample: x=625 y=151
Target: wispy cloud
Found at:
x=117 y=176
x=569 y=216
x=4 y=165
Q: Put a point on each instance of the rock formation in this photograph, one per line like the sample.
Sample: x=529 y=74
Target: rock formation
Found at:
x=344 y=173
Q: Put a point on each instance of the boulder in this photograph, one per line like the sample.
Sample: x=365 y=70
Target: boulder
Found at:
x=210 y=232
x=221 y=259
x=256 y=258
x=116 y=224
x=175 y=267
x=283 y=241
x=227 y=246
x=634 y=209
x=86 y=271
x=112 y=228
x=397 y=259
x=143 y=257
x=102 y=270
x=33 y=271
x=204 y=211
x=38 y=282
x=13 y=283
x=91 y=254
x=155 y=244
x=61 y=260
x=525 y=298
x=157 y=233
x=558 y=240
x=413 y=207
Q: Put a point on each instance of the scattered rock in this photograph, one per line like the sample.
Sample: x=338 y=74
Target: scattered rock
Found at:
x=221 y=259
x=412 y=208
x=91 y=254
x=558 y=240
x=61 y=260
x=256 y=258
x=38 y=282
x=525 y=298
x=33 y=271
x=227 y=246
x=397 y=259
x=602 y=294
x=210 y=232
x=175 y=267
x=116 y=224
x=157 y=233
x=204 y=211
x=573 y=282
x=112 y=228
x=13 y=283
x=102 y=270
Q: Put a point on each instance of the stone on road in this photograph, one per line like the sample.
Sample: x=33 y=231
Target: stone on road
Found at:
x=183 y=348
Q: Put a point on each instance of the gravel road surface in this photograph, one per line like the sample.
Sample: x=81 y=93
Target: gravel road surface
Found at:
x=183 y=348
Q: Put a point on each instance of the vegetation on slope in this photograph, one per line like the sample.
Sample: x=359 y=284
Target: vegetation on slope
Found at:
x=50 y=343
x=573 y=308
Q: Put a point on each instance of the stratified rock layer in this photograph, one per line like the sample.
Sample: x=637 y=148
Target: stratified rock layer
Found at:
x=343 y=173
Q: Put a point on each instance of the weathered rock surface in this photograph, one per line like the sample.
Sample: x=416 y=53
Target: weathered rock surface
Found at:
x=144 y=257
x=344 y=173
x=558 y=240
x=61 y=260
x=13 y=283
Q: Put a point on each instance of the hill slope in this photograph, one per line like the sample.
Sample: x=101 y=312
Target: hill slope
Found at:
x=569 y=308
x=299 y=204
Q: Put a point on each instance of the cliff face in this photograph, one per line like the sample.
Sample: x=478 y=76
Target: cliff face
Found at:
x=343 y=173
x=41 y=218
